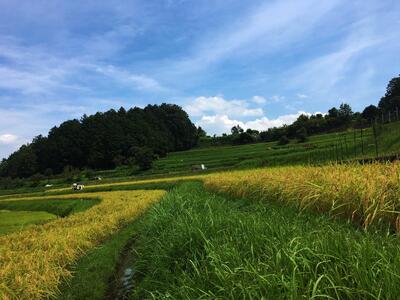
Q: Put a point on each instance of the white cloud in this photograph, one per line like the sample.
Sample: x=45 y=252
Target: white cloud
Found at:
x=217 y=105
x=259 y=100
x=302 y=96
x=276 y=98
x=262 y=100
x=139 y=81
x=8 y=138
x=218 y=124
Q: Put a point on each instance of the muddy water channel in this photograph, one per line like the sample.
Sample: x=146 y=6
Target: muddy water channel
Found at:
x=122 y=284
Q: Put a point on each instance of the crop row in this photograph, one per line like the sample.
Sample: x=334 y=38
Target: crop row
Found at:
x=363 y=194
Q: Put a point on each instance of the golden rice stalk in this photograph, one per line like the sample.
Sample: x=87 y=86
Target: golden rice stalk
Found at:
x=34 y=261
x=364 y=194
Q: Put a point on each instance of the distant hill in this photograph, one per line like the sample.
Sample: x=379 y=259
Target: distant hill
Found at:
x=104 y=141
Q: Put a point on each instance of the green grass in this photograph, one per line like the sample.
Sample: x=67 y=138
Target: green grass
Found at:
x=11 y=221
x=94 y=271
x=199 y=245
x=59 y=207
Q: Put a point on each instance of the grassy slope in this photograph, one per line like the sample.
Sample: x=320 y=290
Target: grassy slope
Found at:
x=17 y=220
x=194 y=244
x=318 y=149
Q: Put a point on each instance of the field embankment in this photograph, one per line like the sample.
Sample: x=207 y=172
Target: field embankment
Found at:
x=45 y=252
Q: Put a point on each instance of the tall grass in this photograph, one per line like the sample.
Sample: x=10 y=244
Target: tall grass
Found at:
x=363 y=194
x=198 y=245
x=34 y=262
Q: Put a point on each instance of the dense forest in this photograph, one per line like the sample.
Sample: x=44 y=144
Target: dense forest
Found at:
x=104 y=141
x=336 y=119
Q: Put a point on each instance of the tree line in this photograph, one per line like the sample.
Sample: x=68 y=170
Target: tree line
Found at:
x=337 y=119
x=104 y=141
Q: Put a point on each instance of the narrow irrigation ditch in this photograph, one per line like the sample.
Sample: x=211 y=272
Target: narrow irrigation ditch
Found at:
x=121 y=285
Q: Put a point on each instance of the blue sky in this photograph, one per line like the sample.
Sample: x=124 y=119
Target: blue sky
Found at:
x=254 y=63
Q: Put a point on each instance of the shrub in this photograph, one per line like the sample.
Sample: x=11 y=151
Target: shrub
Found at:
x=301 y=135
x=283 y=140
x=144 y=158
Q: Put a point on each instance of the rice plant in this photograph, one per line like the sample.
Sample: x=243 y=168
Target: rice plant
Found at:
x=35 y=261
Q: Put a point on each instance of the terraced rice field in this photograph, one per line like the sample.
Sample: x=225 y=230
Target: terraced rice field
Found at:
x=279 y=233
x=45 y=252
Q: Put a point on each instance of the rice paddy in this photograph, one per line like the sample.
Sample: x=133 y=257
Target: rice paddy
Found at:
x=296 y=232
x=18 y=220
x=45 y=252
x=363 y=194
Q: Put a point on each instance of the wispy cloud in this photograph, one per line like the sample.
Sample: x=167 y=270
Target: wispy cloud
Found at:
x=138 y=81
x=301 y=96
x=262 y=30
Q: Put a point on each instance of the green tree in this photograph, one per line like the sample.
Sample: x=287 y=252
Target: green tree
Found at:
x=144 y=158
x=301 y=135
x=283 y=140
x=345 y=113
x=370 y=113
x=391 y=100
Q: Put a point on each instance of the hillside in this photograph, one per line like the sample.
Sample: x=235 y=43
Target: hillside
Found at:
x=317 y=149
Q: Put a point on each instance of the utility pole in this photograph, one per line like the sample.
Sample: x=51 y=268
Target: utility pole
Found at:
x=362 y=142
x=354 y=142
x=375 y=139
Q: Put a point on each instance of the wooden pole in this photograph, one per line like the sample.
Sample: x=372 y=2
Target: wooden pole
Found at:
x=375 y=139
x=354 y=143
x=362 y=142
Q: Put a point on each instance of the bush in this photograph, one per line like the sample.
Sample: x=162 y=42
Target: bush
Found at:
x=301 y=135
x=283 y=140
x=144 y=158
